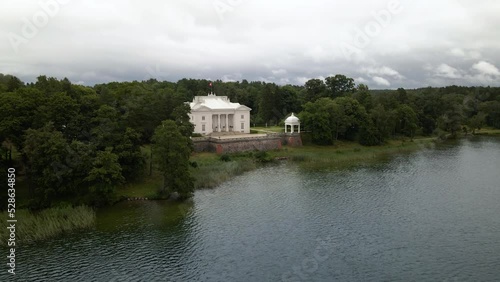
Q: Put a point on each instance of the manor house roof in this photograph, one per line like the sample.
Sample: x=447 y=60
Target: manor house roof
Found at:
x=213 y=102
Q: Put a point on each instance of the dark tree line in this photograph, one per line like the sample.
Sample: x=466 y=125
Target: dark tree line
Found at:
x=371 y=117
x=80 y=142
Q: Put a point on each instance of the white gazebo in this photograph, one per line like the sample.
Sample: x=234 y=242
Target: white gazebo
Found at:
x=292 y=121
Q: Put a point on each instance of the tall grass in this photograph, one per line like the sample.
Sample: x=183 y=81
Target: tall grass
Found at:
x=31 y=227
x=213 y=174
x=347 y=154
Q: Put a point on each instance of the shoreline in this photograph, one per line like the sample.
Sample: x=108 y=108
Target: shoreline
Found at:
x=211 y=171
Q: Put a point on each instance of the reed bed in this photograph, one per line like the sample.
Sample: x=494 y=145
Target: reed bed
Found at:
x=48 y=223
x=212 y=175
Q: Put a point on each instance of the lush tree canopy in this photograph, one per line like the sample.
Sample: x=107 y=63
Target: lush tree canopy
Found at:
x=172 y=152
x=80 y=142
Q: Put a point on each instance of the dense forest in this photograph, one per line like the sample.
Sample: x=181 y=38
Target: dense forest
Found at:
x=80 y=142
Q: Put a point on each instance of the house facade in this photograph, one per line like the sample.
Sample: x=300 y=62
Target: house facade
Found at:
x=214 y=113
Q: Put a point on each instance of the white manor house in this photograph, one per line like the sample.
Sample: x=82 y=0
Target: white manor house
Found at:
x=214 y=113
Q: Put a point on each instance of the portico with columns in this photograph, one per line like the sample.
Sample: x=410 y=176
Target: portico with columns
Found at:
x=214 y=113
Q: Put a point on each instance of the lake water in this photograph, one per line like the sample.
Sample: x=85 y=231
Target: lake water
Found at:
x=432 y=215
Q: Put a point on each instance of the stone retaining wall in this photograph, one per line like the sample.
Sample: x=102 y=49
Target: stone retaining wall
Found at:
x=232 y=145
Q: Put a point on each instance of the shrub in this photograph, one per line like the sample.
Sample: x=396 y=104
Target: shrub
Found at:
x=225 y=158
x=299 y=158
x=370 y=136
x=263 y=157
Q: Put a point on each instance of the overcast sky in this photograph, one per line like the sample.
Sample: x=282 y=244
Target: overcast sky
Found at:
x=381 y=43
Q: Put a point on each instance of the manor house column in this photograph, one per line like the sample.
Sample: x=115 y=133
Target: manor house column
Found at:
x=227 y=123
x=218 y=126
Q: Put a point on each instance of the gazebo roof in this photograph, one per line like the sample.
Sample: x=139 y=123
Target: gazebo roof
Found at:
x=292 y=120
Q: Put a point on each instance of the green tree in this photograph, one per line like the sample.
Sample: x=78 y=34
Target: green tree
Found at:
x=59 y=109
x=45 y=150
x=339 y=85
x=476 y=122
x=18 y=112
x=103 y=177
x=14 y=83
x=290 y=99
x=406 y=120
x=172 y=153
x=492 y=110
x=352 y=116
x=402 y=96
x=106 y=127
x=451 y=120
x=383 y=121
x=315 y=89
x=269 y=104
x=320 y=119
x=181 y=117
x=369 y=135
x=364 y=97
x=128 y=150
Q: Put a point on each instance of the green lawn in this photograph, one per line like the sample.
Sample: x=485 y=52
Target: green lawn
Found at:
x=269 y=129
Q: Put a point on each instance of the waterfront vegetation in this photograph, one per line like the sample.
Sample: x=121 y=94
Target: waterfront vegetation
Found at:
x=349 y=154
x=89 y=145
x=47 y=223
x=212 y=169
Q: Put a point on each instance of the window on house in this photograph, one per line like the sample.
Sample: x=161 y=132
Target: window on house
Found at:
x=242 y=125
x=242 y=116
x=202 y=117
x=202 y=127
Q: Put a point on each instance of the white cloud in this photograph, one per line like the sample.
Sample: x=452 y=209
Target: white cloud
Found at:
x=457 y=52
x=279 y=72
x=465 y=54
x=486 y=68
x=360 y=80
x=301 y=80
x=231 y=77
x=447 y=71
x=382 y=71
x=381 y=81
x=98 y=41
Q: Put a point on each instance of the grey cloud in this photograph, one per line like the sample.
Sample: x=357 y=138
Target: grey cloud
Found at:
x=427 y=43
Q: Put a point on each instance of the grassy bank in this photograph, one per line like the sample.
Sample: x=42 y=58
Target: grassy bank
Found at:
x=211 y=171
x=348 y=154
x=48 y=223
x=208 y=170
x=488 y=131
